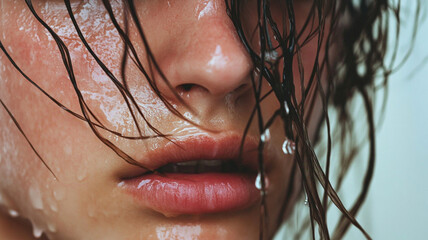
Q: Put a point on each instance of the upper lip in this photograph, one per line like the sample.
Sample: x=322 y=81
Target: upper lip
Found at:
x=201 y=147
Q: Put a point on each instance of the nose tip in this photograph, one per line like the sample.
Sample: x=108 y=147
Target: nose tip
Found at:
x=207 y=54
x=218 y=68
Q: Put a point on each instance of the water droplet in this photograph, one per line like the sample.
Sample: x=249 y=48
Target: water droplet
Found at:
x=288 y=147
x=36 y=198
x=53 y=206
x=121 y=184
x=81 y=175
x=91 y=212
x=7 y=203
x=59 y=194
x=287 y=110
x=265 y=136
x=257 y=72
x=51 y=227
x=258 y=182
x=13 y=213
x=68 y=150
x=37 y=231
x=306 y=199
x=271 y=56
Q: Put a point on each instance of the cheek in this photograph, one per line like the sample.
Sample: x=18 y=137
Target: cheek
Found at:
x=36 y=53
x=66 y=144
x=26 y=185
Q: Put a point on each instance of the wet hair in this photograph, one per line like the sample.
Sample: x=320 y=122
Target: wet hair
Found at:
x=354 y=37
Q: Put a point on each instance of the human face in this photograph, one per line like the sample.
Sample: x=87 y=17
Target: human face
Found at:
x=97 y=192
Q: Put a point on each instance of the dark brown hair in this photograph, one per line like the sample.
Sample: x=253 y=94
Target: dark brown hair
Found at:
x=354 y=37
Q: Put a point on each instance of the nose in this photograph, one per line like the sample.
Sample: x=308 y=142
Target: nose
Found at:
x=204 y=57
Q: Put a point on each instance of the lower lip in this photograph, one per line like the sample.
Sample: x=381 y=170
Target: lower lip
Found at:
x=176 y=193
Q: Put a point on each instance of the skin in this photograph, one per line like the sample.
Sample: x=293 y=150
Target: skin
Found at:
x=195 y=43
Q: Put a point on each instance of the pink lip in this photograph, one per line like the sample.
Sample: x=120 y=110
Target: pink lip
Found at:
x=177 y=193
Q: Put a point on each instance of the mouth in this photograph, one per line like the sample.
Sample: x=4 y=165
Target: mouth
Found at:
x=204 y=166
x=199 y=175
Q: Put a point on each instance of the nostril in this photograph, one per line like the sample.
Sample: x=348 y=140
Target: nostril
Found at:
x=185 y=87
x=242 y=87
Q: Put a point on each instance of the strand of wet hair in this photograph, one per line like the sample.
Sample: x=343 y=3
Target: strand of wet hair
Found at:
x=122 y=90
x=60 y=105
x=311 y=174
x=26 y=139
x=87 y=113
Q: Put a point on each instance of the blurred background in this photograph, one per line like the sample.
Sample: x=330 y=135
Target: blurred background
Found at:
x=397 y=204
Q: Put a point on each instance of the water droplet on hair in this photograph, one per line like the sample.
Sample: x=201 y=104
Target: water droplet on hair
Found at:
x=288 y=147
x=271 y=56
x=37 y=231
x=36 y=198
x=258 y=182
x=306 y=199
x=287 y=110
x=257 y=72
x=265 y=136
x=13 y=213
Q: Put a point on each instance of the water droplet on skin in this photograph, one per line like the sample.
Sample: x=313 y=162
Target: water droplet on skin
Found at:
x=37 y=232
x=36 y=198
x=258 y=182
x=288 y=147
x=91 y=212
x=170 y=215
x=7 y=203
x=265 y=136
x=59 y=194
x=13 y=213
x=51 y=227
x=53 y=206
x=81 y=175
x=68 y=150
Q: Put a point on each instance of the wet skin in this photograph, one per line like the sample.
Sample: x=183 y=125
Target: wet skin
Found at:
x=194 y=43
